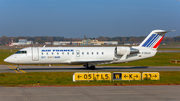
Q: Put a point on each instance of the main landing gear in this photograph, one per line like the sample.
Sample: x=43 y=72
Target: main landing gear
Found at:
x=92 y=67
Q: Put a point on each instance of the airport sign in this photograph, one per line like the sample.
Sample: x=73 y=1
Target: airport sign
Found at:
x=89 y=76
x=151 y=76
x=102 y=76
x=126 y=76
x=83 y=76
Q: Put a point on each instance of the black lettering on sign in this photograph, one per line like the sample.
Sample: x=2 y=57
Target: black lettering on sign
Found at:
x=136 y=76
x=146 y=75
x=150 y=75
x=130 y=75
x=102 y=76
x=125 y=76
x=106 y=75
x=79 y=76
x=85 y=76
x=89 y=75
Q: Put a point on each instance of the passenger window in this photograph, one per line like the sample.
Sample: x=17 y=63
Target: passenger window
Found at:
x=92 y=53
x=97 y=53
x=62 y=53
x=57 y=53
x=82 y=53
x=87 y=53
x=47 y=53
x=102 y=53
x=68 y=53
x=42 y=53
x=72 y=53
x=52 y=53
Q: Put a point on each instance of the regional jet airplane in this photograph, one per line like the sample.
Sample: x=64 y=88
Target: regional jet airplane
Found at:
x=88 y=56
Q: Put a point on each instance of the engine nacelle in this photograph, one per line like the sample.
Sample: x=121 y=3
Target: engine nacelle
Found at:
x=123 y=50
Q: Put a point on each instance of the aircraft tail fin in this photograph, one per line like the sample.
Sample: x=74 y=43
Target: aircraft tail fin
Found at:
x=154 y=39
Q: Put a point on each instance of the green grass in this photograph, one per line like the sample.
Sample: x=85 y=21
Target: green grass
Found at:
x=65 y=79
x=4 y=53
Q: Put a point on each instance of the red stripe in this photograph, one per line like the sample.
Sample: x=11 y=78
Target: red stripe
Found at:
x=157 y=44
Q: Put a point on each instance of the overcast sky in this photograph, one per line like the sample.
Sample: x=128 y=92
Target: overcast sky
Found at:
x=93 y=18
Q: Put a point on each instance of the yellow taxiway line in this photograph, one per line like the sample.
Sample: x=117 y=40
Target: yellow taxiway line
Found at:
x=20 y=70
x=14 y=68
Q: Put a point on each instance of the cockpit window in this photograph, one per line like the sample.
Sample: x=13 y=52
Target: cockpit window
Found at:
x=21 y=52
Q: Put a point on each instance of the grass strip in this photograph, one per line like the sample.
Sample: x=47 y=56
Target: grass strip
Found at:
x=65 y=79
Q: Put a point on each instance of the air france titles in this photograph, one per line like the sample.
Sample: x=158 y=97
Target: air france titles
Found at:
x=55 y=50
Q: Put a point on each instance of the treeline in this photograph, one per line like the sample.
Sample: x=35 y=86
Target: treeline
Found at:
x=42 y=39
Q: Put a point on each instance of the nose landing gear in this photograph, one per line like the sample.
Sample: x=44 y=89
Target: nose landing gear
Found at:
x=17 y=68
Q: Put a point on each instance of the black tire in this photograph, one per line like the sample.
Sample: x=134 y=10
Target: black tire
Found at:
x=92 y=67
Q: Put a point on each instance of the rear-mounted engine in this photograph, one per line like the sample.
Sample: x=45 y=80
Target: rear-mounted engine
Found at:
x=128 y=50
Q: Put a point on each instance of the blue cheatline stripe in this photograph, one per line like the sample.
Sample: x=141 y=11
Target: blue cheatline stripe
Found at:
x=152 y=41
x=150 y=38
x=157 y=38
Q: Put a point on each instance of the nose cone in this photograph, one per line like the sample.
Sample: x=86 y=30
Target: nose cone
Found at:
x=10 y=59
x=6 y=60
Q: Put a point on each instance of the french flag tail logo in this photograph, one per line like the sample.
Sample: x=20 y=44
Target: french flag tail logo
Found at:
x=154 y=39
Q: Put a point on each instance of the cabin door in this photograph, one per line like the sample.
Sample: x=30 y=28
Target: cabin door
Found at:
x=35 y=53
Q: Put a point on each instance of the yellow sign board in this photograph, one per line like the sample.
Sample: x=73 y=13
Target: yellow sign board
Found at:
x=131 y=76
x=89 y=76
x=151 y=75
x=126 y=76
x=102 y=76
x=83 y=76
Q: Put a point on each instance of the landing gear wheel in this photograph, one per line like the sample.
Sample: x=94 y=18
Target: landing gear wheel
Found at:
x=17 y=68
x=92 y=67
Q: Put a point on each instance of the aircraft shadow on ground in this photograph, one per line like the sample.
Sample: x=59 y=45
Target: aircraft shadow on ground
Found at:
x=83 y=68
x=143 y=67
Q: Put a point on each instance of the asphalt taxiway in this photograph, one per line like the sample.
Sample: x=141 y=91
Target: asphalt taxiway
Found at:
x=24 y=69
x=92 y=93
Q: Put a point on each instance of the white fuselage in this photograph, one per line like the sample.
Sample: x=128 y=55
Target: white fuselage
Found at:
x=75 y=55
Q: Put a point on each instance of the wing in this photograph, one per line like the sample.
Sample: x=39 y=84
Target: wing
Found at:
x=91 y=62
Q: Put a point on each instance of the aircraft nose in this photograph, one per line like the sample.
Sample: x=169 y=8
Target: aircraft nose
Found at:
x=6 y=60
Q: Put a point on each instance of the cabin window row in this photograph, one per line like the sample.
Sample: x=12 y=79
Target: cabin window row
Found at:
x=83 y=53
